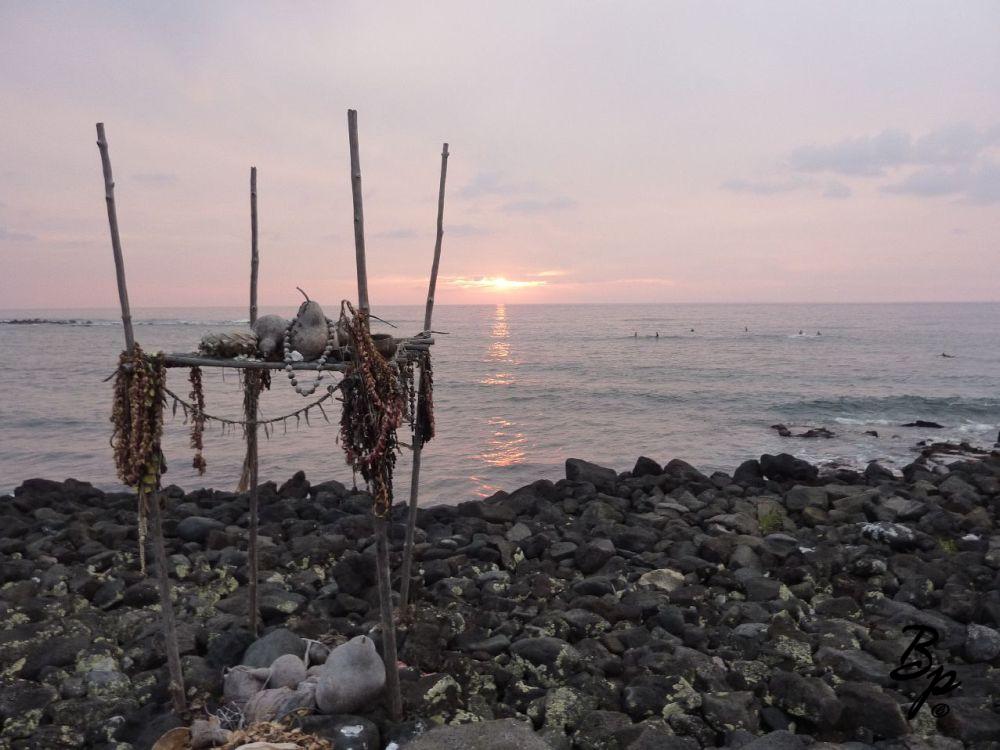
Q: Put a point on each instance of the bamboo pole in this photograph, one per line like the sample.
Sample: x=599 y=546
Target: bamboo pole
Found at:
x=251 y=397
x=176 y=688
x=437 y=242
x=411 y=517
x=254 y=256
x=177 y=692
x=359 y=214
x=395 y=700
x=116 y=242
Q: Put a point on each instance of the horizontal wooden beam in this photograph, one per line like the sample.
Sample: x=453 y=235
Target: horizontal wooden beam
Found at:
x=197 y=360
x=193 y=359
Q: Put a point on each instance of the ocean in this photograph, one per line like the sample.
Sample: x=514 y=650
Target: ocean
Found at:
x=520 y=388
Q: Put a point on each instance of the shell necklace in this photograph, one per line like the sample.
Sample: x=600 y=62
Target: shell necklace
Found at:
x=308 y=389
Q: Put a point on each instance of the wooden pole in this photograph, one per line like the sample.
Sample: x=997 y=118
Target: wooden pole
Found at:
x=254 y=256
x=437 y=242
x=388 y=624
x=116 y=242
x=251 y=381
x=252 y=552
x=395 y=700
x=177 y=692
x=411 y=517
x=359 y=214
x=176 y=688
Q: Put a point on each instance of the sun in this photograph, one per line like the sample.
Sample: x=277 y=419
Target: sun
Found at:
x=495 y=283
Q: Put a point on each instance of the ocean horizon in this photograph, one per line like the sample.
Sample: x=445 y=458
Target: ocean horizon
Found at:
x=520 y=388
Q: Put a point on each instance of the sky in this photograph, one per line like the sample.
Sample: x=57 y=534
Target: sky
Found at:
x=599 y=152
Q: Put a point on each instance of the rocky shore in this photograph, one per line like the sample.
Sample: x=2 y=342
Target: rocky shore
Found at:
x=779 y=607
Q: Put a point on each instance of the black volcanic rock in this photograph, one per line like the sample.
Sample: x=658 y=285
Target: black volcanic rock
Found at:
x=785 y=467
x=578 y=470
x=646 y=467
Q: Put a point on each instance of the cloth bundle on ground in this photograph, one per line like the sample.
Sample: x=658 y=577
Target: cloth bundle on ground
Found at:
x=352 y=676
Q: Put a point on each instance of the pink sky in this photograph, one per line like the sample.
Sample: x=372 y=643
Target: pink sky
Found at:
x=641 y=152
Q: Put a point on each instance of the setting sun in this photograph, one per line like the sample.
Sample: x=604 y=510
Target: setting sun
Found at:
x=494 y=283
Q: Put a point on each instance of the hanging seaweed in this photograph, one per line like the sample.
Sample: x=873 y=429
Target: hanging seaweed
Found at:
x=197 y=397
x=373 y=408
x=137 y=417
x=255 y=382
x=424 y=423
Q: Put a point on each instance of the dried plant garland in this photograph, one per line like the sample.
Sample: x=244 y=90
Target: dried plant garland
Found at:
x=374 y=403
x=255 y=382
x=137 y=418
x=197 y=397
x=424 y=426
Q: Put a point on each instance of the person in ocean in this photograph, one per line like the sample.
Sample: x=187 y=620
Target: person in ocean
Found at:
x=657 y=334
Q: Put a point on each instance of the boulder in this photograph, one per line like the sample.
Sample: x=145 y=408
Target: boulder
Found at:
x=785 y=467
x=578 y=470
x=197 y=528
x=502 y=734
x=866 y=706
x=982 y=643
x=810 y=699
x=591 y=556
x=264 y=651
x=344 y=732
x=646 y=467
x=297 y=487
x=781 y=739
x=749 y=472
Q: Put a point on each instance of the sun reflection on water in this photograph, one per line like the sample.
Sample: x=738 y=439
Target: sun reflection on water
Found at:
x=506 y=444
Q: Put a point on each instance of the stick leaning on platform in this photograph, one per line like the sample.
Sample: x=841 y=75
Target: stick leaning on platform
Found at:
x=153 y=500
x=418 y=436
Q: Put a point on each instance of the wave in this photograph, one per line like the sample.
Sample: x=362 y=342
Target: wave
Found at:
x=968 y=414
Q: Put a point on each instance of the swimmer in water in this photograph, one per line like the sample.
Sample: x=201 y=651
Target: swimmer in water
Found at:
x=692 y=330
x=800 y=332
x=657 y=334
x=636 y=334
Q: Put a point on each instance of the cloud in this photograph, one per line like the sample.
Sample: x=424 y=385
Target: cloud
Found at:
x=400 y=233
x=494 y=183
x=958 y=161
x=766 y=187
x=874 y=155
x=979 y=184
x=837 y=190
x=7 y=235
x=155 y=179
x=856 y=156
x=539 y=206
x=466 y=230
